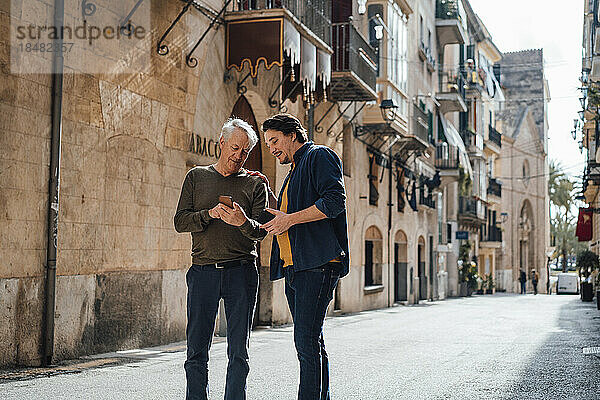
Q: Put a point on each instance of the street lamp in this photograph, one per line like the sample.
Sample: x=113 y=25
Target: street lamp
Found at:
x=388 y=110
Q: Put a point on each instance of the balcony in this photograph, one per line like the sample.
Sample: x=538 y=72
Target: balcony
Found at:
x=494 y=187
x=314 y=15
x=471 y=211
x=451 y=94
x=495 y=136
x=446 y=156
x=450 y=22
x=354 y=68
x=420 y=124
x=592 y=172
x=473 y=142
x=427 y=201
x=494 y=234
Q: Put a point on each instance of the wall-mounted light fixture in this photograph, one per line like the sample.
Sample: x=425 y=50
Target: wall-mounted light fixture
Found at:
x=388 y=110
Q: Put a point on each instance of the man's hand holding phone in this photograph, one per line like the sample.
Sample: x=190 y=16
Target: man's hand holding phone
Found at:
x=230 y=212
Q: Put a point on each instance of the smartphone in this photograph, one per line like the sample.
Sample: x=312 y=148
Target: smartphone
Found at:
x=227 y=200
x=264 y=217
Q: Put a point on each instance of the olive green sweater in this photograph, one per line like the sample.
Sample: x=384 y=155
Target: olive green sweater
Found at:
x=212 y=239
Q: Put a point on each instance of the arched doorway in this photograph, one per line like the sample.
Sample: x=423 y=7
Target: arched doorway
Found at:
x=243 y=110
x=400 y=267
x=373 y=257
x=421 y=268
x=526 y=240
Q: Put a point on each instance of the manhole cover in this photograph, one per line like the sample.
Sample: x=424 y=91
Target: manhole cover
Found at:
x=591 y=350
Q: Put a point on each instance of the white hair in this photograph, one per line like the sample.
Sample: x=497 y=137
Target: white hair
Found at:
x=235 y=123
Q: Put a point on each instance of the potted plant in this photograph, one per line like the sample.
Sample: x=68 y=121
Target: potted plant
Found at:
x=587 y=263
x=489 y=284
x=467 y=278
x=480 y=285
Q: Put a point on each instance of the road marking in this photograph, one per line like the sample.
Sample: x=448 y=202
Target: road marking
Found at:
x=591 y=350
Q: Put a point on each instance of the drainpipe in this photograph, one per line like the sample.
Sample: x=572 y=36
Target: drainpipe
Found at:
x=390 y=230
x=53 y=189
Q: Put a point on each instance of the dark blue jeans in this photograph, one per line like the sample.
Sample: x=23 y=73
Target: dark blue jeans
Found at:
x=523 y=284
x=237 y=286
x=308 y=294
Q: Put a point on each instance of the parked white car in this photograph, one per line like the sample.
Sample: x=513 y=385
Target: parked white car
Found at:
x=567 y=283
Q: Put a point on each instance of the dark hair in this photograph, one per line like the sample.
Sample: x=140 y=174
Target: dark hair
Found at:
x=286 y=124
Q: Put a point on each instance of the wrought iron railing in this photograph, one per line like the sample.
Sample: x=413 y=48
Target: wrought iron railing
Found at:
x=449 y=9
x=494 y=234
x=471 y=207
x=494 y=187
x=453 y=82
x=446 y=156
x=421 y=123
x=315 y=14
x=468 y=137
x=352 y=52
x=428 y=201
x=495 y=136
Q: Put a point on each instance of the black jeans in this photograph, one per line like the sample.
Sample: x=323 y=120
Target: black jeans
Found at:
x=308 y=294
x=238 y=286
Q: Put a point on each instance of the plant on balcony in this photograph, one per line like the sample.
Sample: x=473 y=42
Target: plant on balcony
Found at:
x=467 y=270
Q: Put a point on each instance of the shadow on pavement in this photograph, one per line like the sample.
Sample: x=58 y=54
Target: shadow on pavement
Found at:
x=559 y=369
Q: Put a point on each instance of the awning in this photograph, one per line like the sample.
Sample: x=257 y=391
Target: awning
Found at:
x=453 y=138
x=272 y=41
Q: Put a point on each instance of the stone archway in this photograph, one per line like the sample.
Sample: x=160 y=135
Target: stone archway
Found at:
x=421 y=257
x=400 y=267
x=526 y=240
x=243 y=110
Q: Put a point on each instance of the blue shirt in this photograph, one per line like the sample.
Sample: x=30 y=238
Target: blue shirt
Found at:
x=316 y=179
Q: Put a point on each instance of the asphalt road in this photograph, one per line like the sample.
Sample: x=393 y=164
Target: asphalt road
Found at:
x=483 y=347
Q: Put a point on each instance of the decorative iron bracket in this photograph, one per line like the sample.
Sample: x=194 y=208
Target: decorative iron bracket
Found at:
x=318 y=126
x=192 y=62
x=241 y=88
x=330 y=133
x=163 y=49
x=126 y=27
x=87 y=8
x=339 y=135
x=274 y=103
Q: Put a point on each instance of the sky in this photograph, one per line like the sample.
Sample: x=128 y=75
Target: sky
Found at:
x=557 y=27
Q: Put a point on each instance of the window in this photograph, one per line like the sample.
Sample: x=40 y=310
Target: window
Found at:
x=373 y=180
x=526 y=172
x=373 y=257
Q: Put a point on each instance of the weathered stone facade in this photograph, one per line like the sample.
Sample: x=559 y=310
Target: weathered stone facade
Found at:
x=128 y=141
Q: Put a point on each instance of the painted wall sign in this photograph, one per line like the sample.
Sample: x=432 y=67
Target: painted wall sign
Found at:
x=462 y=235
x=204 y=146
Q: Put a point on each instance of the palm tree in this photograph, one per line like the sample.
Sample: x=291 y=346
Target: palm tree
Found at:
x=560 y=189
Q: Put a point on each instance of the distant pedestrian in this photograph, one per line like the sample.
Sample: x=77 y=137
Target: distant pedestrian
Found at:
x=523 y=280
x=219 y=205
x=534 y=281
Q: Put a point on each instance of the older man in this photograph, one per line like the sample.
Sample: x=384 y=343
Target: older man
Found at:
x=223 y=257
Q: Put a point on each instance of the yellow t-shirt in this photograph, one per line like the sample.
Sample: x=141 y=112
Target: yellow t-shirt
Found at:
x=285 y=248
